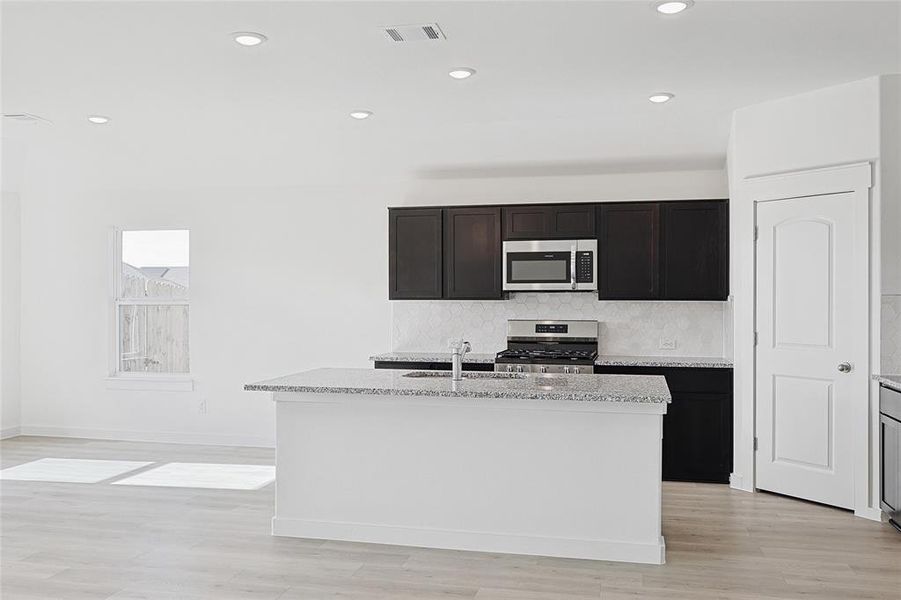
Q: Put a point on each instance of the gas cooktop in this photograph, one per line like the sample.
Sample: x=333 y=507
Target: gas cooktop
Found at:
x=549 y=347
x=555 y=355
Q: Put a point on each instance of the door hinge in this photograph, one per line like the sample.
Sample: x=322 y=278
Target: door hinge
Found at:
x=756 y=338
x=755 y=444
x=756 y=233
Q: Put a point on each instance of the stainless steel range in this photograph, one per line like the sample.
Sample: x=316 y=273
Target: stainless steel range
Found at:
x=549 y=347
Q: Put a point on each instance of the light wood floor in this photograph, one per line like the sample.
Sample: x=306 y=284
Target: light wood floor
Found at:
x=64 y=540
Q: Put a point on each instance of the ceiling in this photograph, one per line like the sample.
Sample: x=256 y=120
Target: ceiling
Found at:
x=561 y=87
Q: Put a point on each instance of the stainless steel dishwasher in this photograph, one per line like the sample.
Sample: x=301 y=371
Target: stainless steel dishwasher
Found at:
x=890 y=443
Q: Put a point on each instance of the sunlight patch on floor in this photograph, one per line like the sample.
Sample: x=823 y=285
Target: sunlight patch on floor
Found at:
x=70 y=470
x=204 y=475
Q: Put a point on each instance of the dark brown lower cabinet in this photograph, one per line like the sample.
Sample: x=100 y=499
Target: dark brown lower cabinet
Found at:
x=697 y=427
x=697 y=438
x=430 y=366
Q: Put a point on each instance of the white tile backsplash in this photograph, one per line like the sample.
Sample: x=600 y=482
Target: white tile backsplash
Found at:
x=891 y=335
x=628 y=328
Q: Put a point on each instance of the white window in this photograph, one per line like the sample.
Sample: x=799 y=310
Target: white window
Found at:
x=152 y=275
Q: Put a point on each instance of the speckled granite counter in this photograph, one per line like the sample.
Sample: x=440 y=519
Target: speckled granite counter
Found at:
x=590 y=388
x=889 y=381
x=697 y=362
x=425 y=357
x=607 y=360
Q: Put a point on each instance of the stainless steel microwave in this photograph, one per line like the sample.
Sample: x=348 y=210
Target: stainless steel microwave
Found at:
x=551 y=265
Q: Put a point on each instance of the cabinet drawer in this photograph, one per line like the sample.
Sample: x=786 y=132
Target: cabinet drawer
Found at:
x=681 y=379
x=429 y=366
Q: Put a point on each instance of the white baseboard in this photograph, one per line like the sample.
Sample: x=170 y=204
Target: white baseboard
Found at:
x=737 y=482
x=873 y=514
x=612 y=550
x=10 y=432
x=207 y=439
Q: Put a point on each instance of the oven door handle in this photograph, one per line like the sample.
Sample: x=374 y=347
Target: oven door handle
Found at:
x=572 y=265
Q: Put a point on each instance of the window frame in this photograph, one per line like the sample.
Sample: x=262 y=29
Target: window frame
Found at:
x=132 y=380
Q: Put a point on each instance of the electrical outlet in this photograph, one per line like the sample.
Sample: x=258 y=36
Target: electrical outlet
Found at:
x=667 y=343
x=201 y=408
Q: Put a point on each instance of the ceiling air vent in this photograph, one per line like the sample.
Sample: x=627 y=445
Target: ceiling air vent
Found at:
x=26 y=118
x=415 y=33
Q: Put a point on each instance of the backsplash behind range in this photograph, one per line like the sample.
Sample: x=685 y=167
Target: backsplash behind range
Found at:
x=626 y=328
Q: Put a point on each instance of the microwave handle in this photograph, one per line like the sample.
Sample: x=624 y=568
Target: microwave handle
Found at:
x=572 y=265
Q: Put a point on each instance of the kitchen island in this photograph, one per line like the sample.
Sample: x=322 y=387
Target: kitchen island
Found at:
x=559 y=465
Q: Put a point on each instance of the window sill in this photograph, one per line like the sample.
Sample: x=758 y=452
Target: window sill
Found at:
x=158 y=384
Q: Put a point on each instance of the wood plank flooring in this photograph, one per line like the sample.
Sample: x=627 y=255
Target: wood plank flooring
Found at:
x=72 y=540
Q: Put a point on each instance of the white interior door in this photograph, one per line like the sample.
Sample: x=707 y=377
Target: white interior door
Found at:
x=812 y=328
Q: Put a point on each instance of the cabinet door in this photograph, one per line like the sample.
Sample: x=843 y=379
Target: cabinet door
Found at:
x=697 y=438
x=694 y=250
x=430 y=366
x=573 y=221
x=549 y=221
x=530 y=222
x=472 y=253
x=414 y=253
x=697 y=426
x=628 y=236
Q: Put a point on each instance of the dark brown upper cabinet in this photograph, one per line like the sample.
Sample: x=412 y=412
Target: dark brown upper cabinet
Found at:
x=549 y=221
x=415 y=253
x=663 y=250
x=472 y=253
x=674 y=250
x=694 y=250
x=628 y=248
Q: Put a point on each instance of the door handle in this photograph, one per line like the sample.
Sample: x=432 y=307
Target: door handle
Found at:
x=572 y=265
x=844 y=367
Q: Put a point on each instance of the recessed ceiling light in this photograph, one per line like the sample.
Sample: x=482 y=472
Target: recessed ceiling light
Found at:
x=672 y=7
x=249 y=38
x=462 y=72
x=361 y=114
x=661 y=97
x=98 y=119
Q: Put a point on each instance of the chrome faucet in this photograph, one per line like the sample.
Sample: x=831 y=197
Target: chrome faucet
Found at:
x=459 y=348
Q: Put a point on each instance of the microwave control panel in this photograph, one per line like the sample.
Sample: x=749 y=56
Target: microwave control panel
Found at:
x=585 y=267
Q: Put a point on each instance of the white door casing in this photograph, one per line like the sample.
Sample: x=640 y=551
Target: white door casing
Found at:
x=812 y=316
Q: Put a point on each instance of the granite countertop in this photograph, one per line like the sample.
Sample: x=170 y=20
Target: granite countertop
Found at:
x=469 y=357
x=889 y=381
x=700 y=362
x=584 y=388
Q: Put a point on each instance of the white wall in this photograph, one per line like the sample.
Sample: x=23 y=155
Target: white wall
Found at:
x=835 y=125
x=282 y=280
x=528 y=185
x=890 y=174
x=10 y=405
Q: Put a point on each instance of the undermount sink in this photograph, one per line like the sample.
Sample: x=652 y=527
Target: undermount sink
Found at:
x=467 y=374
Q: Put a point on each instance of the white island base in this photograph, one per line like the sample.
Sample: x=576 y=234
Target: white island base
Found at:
x=569 y=479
